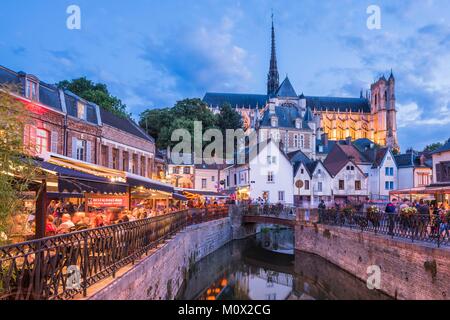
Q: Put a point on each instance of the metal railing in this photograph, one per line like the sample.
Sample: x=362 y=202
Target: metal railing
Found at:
x=64 y=266
x=419 y=227
x=281 y=211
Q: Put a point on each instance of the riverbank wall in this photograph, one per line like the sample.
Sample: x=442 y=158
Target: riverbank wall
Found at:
x=160 y=275
x=409 y=271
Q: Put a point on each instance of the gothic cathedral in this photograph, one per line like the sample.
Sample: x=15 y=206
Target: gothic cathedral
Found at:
x=302 y=122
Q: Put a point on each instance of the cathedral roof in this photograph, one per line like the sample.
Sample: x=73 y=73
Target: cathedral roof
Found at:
x=286 y=89
x=338 y=104
x=286 y=117
x=241 y=100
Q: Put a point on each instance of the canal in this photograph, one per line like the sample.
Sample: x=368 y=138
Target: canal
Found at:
x=266 y=267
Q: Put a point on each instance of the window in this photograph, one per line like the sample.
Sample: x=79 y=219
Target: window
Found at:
x=302 y=141
x=81 y=150
x=31 y=90
x=150 y=167
x=176 y=170
x=228 y=181
x=389 y=185
x=186 y=170
x=81 y=110
x=143 y=166
x=306 y=184
x=302 y=171
x=235 y=179
x=105 y=157
x=389 y=171
x=270 y=176
x=280 y=195
x=341 y=184
x=296 y=141
x=213 y=178
x=203 y=183
x=115 y=159
x=358 y=185
x=126 y=161
x=42 y=140
x=135 y=164
x=319 y=187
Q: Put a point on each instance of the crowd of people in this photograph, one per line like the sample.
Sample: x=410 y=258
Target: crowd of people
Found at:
x=66 y=217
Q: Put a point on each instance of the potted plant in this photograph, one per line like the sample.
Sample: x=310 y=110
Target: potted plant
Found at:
x=408 y=212
x=374 y=215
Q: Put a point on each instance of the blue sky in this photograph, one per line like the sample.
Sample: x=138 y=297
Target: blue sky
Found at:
x=151 y=53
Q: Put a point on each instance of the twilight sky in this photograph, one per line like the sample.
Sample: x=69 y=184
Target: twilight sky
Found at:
x=152 y=53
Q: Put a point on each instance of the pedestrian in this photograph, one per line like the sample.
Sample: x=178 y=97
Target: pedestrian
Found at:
x=322 y=207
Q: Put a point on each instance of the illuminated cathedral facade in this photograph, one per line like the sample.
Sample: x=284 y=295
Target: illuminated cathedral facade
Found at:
x=300 y=122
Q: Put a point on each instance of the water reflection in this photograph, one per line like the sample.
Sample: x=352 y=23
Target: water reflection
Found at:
x=265 y=268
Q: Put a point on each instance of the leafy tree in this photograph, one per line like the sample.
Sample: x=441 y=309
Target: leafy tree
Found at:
x=433 y=147
x=228 y=118
x=160 y=123
x=95 y=92
x=16 y=169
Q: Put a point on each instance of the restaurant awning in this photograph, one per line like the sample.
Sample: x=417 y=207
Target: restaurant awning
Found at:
x=138 y=181
x=179 y=196
x=203 y=193
x=76 y=182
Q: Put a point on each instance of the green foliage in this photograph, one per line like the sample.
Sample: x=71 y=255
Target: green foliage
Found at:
x=228 y=118
x=160 y=123
x=433 y=147
x=16 y=169
x=95 y=92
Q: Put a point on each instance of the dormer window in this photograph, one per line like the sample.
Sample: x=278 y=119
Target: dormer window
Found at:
x=31 y=89
x=274 y=122
x=81 y=110
x=298 y=123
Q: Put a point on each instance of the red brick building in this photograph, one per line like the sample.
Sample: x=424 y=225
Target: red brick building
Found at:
x=68 y=125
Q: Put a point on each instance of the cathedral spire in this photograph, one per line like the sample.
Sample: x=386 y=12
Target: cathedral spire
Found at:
x=273 y=78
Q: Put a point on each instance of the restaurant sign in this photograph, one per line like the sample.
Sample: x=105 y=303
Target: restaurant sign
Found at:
x=107 y=201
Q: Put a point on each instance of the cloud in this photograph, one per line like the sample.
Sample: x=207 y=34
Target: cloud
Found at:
x=203 y=58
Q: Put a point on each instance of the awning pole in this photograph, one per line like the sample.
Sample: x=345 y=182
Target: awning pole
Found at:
x=129 y=198
x=41 y=212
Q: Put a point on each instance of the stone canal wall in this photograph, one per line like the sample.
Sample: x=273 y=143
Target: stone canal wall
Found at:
x=408 y=271
x=161 y=275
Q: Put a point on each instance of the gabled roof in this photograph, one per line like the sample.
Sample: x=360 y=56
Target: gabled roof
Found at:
x=286 y=89
x=338 y=104
x=340 y=156
x=241 y=100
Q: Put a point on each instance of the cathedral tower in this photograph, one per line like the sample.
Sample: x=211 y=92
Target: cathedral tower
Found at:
x=384 y=124
x=273 y=78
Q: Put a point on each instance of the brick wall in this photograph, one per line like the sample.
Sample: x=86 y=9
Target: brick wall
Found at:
x=125 y=142
x=53 y=123
x=408 y=271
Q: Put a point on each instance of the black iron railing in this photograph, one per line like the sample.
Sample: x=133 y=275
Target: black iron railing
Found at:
x=64 y=266
x=424 y=228
x=281 y=211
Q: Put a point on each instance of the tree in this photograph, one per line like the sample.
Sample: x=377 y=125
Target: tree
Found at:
x=161 y=123
x=95 y=92
x=17 y=170
x=228 y=118
x=433 y=147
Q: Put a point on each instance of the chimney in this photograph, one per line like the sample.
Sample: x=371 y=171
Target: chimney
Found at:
x=324 y=139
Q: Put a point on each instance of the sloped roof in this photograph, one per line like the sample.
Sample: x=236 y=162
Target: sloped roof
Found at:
x=124 y=124
x=286 y=117
x=338 y=104
x=48 y=94
x=286 y=89
x=235 y=99
x=444 y=148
